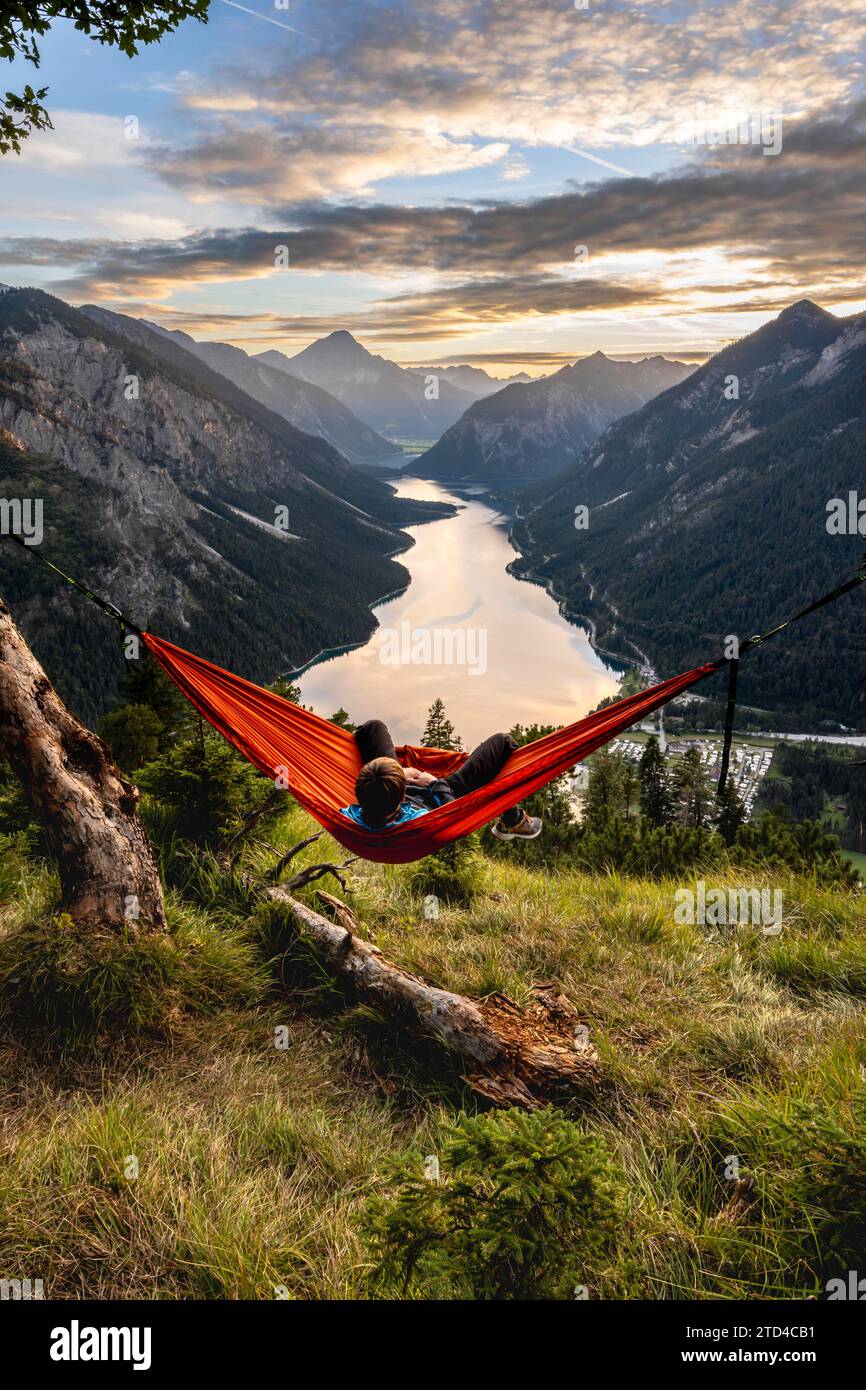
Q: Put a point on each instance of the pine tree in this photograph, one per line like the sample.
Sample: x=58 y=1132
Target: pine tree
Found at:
x=656 y=803
x=134 y=734
x=145 y=683
x=604 y=795
x=287 y=690
x=692 y=791
x=730 y=812
x=629 y=787
x=439 y=731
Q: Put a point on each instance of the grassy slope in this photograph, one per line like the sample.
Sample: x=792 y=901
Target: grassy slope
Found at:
x=255 y=1162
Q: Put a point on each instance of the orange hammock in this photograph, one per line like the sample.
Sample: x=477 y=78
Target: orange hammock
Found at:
x=319 y=761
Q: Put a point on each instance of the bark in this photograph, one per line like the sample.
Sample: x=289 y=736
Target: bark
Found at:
x=108 y=874
x=513 y=1056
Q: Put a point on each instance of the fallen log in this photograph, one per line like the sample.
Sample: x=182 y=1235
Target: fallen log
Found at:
x=511 y=1055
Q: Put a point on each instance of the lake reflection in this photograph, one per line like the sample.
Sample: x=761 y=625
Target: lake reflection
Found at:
x=504 y=655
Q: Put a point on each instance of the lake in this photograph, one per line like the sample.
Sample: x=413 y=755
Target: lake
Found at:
x=494 y=648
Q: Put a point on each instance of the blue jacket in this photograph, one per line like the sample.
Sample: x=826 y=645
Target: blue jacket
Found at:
x=417 y=802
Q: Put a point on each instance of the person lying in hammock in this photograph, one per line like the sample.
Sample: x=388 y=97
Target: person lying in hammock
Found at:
x=389 y=794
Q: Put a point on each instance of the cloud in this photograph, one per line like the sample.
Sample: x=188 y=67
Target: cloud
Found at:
x=796 y=219
x=515 y=168
x=259 y=162
x=726 y=230
x=357 y=108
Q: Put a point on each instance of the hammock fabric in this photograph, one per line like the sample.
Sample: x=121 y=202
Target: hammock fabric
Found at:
x=319 y=761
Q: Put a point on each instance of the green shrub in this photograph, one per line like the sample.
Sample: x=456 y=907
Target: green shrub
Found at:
x=133 y=734
x=85 y=981
x=808 y=1155
x=16 y=814
x=526 y=1207
x=206 y=785
x=452 y=875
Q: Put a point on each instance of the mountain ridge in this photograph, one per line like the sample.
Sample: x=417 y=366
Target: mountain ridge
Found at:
x=530 y=430
x=302 y=403
x=186 y=474
x=395 y=401
x=707 y=514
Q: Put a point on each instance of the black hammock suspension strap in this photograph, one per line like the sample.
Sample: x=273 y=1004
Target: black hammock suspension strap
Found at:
x=102 y=603
x=756 y=641
x=730 y=714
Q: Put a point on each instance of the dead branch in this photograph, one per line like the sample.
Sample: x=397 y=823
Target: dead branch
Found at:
x=233 y=846
x=273 y=875
x=316 y=871
x=512 y=1056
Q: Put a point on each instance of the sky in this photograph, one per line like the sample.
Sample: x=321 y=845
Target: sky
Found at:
x=512 y=183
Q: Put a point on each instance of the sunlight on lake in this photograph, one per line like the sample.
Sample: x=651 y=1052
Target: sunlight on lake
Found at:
x=506 y=655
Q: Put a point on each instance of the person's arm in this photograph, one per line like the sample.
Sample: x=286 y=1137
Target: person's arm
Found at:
x=439 y=792
x=436 y=791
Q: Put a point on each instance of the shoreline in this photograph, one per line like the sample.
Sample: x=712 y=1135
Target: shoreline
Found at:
x=327 y=653
x=579 y=620
x=639 y=663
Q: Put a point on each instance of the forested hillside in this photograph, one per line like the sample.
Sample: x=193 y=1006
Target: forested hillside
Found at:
x=708 y=516
x=162 y=485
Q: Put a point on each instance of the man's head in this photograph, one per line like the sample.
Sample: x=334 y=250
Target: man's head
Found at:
x=380 y=789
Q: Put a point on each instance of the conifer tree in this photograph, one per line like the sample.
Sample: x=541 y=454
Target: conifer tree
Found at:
x=604 y=795
x=656 y=803
x=439 y=731
x=692 y=791
x=730 y=813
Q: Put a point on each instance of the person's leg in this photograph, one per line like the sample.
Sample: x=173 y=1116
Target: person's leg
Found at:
x=482 y=766
x=374 y=741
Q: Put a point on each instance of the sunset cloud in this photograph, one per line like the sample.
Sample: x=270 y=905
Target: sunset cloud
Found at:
x=436 y=173
x=503 y=75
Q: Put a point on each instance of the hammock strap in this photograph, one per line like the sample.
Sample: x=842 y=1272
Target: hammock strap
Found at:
x=859 y=578
x=734 y=664
x=109 y=608
x=733 y=671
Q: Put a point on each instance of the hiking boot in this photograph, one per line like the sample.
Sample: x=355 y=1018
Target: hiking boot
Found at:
x=527 y=828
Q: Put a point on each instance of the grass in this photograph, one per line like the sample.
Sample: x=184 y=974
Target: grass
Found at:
x=732 y=1099
x=858 y=860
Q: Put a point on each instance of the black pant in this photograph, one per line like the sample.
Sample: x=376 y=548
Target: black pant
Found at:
x=374 y=741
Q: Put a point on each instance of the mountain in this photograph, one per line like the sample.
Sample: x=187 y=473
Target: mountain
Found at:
x=161 y=485
x=305 y=405
x=474 y=380
x=534 y=430
x=708 y=516
x=391 y=399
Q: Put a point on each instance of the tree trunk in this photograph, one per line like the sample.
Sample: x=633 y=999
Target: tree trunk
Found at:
x=108 y=874
x=513 y=1056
